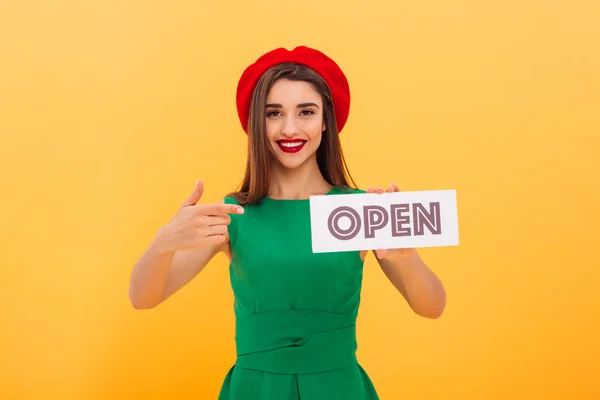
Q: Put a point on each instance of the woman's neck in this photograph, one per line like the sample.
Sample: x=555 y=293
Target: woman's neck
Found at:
x=297 y=183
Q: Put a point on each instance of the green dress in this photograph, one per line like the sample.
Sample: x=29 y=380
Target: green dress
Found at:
x=295 y=310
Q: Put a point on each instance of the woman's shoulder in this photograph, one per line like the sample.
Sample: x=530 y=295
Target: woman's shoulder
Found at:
x=229 y=199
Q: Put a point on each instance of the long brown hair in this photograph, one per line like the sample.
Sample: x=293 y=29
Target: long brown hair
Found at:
x=330 y=158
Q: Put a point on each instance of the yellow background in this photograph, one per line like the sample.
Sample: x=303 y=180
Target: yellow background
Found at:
x=109 y=111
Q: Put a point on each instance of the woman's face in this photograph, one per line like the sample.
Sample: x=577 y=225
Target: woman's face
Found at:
x=294 y=122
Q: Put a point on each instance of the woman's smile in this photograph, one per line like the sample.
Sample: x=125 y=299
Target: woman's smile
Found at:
x=291 y=145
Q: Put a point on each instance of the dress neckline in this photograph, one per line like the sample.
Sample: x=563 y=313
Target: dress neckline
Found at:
x=331 y=191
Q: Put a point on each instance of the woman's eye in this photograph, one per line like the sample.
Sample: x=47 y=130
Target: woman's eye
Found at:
x=276 y=113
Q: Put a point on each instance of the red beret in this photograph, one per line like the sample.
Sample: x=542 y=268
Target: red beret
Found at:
x=314 y=59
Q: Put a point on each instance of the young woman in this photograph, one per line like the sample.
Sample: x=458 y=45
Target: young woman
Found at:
x=295 y=310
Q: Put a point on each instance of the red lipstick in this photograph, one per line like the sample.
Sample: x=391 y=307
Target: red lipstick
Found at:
x=291 y=145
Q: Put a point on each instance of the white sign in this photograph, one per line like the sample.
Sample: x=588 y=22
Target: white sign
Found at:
x=373 y=221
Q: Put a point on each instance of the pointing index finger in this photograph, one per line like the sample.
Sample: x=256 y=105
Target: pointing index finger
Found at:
x=214 y=209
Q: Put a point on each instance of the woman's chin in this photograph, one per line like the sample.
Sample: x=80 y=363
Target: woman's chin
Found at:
x=291 y=160
x=288 y=163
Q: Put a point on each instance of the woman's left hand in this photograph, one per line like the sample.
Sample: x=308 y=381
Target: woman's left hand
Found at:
x=391 y=254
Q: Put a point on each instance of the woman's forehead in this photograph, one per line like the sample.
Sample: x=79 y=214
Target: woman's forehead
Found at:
x=293 y=92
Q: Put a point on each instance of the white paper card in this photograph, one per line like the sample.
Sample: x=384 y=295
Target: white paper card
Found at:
x=373 y=221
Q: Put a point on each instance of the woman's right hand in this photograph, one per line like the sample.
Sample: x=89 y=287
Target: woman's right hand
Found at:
x=197 y=226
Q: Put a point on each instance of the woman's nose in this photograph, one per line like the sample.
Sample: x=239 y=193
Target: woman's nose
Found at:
x=289 y=126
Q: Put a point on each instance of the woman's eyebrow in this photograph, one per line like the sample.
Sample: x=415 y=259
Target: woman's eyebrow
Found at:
x=307 y=105
x=276 y=105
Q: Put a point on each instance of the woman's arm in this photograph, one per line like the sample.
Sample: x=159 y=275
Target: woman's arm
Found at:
x=419 y=285
x=181 y=249
x=410 y=275
x=159 y=272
